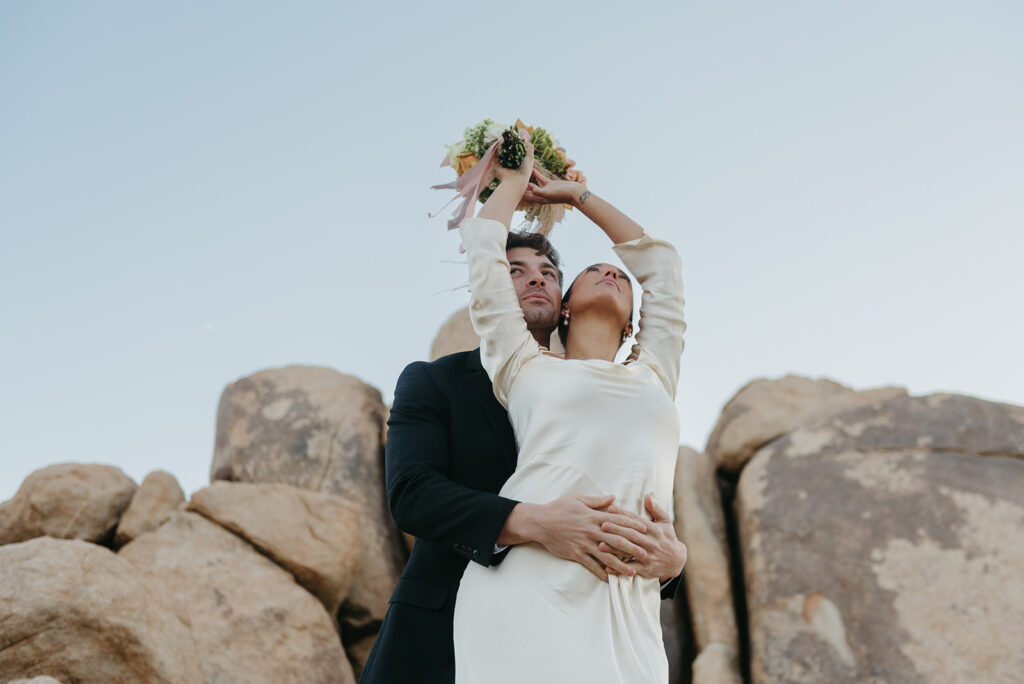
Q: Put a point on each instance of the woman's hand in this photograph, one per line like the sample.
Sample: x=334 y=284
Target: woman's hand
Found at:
x=502 y=203
x=542 y=190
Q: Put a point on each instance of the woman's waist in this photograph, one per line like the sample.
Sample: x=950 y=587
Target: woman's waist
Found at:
x=541 y=481
x=534 y=569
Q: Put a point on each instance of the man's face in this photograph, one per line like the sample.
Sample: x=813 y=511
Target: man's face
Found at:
x=536 y=281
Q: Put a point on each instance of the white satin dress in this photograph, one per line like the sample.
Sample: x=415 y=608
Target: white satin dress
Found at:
x=583 y=427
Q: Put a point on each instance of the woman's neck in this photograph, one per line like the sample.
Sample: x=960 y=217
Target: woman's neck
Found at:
x=592 y=337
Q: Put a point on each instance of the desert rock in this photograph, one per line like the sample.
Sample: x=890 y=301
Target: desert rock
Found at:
x=887 y=541
x=67 y=501
x=312 y=535
x=156 y=498
x=320 y=430
x=77 y=612
x=456 y=335
x=700 y=524
x=764 y=410
x=250 y=621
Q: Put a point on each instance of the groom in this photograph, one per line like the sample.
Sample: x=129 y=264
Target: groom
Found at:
x=450 y=449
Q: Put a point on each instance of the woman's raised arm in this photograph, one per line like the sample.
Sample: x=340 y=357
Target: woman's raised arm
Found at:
x=616 y=225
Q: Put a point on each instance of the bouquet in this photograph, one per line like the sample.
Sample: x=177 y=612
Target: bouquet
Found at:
x=488 y=143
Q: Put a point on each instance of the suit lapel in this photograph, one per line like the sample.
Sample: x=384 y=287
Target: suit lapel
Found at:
x=496 y=415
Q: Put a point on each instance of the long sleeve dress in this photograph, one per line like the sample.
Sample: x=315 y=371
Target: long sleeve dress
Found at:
x=583 y=427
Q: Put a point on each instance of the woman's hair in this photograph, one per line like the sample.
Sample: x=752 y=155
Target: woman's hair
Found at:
x=537 y=243
x=563 y=327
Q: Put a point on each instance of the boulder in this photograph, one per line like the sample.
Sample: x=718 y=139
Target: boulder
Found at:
x=887 y=543
x=157 y=497
x=700 y=524
x=673 y=642
x=250 y=621
x=764 y=410
x=456 y=335
x=67 y=501
x=76 y=612
x=313 y=536
x=716 y=664
x=317 y=429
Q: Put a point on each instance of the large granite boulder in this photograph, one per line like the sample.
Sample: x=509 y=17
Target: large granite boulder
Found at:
x=67 y=501
x=764 y=410
x=157 y=497
x=456 y=335
x=700 y=524
x=314 y=536
x=76 y=612
x=320 y=430
x=886 y=543
x=250 y=621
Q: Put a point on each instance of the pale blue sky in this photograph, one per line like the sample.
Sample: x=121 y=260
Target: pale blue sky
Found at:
x=194 y=191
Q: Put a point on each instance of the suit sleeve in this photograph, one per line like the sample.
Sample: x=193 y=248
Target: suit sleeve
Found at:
x=423 y=500
x=668 y=591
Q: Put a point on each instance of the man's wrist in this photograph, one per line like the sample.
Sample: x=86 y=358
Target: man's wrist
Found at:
x=519 y=525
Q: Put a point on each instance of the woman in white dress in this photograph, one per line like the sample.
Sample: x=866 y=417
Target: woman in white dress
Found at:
x=585 y=425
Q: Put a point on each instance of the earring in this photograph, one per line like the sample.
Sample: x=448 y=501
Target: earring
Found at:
x=565 y=317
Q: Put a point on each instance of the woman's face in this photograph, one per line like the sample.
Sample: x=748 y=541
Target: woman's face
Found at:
x=605 y=287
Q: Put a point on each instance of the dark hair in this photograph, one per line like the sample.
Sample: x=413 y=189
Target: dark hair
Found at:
x=537 y=243
x=563 y=327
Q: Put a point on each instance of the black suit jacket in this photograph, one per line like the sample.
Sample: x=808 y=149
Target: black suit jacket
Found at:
x=450 y=449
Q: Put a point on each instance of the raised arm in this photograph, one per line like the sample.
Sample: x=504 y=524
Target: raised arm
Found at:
x=505 y=341
x=616 y=225
x=653 y=262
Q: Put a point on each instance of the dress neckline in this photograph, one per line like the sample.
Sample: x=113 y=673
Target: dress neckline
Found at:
x=547 y=352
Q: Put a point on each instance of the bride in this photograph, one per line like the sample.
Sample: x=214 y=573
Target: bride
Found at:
x=586 y=426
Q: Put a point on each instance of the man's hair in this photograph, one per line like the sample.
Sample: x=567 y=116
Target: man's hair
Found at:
x=537 y=243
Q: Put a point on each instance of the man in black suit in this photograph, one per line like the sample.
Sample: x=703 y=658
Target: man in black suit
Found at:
x=450 y=449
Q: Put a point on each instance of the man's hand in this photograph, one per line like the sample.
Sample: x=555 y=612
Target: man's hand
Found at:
x=665 y=556
x=572 y=528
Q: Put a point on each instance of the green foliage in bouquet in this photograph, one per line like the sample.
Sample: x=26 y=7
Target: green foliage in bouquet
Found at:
x=512 y=150
x=545 y=152
x=476 y=138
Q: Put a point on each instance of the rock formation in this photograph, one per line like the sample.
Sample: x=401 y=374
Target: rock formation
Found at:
x=156 y=498
x=888 y=540
x=251 y=622
x=456 y=335
x=314 y=536
x=67 y=501
x=318 y=429
x=833 y=535
x=77 y=612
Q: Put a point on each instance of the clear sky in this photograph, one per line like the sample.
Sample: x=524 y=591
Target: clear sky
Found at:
x=194 y=191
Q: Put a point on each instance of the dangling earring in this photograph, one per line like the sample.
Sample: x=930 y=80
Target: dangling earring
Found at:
x=626 y=332
x=565 y=317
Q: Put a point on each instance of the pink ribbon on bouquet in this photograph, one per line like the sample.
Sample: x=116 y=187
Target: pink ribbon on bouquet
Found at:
x=469 y=185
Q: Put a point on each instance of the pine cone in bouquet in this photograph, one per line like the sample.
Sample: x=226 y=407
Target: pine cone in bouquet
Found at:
x=512 y=150
x=492 y=143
